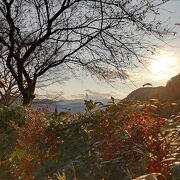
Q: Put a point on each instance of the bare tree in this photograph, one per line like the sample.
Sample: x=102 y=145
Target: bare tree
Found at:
x=10 y=94
x=102 y=36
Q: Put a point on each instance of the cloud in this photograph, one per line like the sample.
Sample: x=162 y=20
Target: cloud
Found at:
x=96 y=95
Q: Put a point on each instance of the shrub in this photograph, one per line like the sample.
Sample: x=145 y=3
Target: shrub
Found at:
x=9 y=118
x=106 y=142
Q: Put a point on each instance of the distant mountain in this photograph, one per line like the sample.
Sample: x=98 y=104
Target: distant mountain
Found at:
x=169 y=93
x=75 y=105
x=62 y=105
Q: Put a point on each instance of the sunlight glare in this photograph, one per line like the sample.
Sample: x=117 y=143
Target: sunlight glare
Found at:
x=163 y=66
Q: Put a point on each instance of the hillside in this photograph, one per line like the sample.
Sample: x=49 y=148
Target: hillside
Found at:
x=169 y=93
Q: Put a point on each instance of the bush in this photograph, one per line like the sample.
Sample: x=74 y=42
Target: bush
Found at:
x=106 y=142
x=9 y=118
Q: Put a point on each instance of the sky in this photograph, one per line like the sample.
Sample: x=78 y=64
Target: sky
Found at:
x=163 y=67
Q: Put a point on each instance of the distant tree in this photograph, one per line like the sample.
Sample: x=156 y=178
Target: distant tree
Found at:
x=102 y=36
x=56 y=110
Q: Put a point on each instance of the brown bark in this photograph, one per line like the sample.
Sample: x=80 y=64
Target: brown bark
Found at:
x=28 y=95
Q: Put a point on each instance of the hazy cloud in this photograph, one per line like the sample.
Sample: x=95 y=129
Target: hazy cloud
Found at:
x=96 y=95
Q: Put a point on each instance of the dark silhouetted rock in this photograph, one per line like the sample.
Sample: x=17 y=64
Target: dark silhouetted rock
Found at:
x=173 y=88
x=169 y=93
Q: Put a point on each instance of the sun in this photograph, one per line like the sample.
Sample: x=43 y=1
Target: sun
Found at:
x=163 y=66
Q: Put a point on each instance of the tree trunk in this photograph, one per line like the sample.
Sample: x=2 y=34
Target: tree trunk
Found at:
x=28 y=95
x=28 y=98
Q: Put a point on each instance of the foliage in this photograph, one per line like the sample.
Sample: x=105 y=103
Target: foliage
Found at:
x=132 y=138
x=108 y=141
x=9 y=118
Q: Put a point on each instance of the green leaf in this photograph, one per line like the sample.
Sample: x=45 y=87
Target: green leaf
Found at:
x=18 y=154
x=89 y=105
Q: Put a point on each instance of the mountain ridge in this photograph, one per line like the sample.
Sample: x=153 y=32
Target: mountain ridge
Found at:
x=168 y=93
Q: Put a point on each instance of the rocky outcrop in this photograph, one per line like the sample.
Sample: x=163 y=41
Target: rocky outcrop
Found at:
x=169 y=93
x=173 y=88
